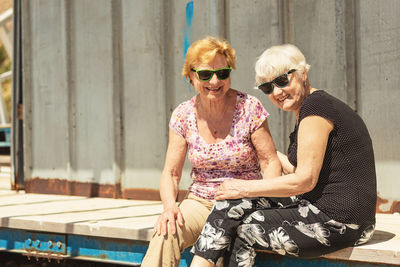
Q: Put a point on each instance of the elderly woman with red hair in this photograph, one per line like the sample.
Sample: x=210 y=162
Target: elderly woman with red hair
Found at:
x=225 y=134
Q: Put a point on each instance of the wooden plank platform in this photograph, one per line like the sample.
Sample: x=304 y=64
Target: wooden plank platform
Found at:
x=103 y=217
x=134 y=220
x=384 y=247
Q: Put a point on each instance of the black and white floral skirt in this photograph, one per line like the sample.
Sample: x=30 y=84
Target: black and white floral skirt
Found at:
x=288 y=226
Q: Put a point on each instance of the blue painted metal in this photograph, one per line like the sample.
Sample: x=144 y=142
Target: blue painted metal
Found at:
x=115 y=250
x=45 y=242
x=186 y=258
x=15 y=239
x=12 y=239
x=132 y=252
x=106 y=249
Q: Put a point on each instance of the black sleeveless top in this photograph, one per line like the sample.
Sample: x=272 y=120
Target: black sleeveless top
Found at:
x=346 y=188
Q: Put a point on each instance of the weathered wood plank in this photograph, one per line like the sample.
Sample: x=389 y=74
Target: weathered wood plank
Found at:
x=134 y=220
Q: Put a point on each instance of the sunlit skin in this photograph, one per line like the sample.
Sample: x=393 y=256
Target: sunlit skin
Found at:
x=215 y=103
x=313 y=135
x=213 y=90
x=290 y=97
x=213 y=96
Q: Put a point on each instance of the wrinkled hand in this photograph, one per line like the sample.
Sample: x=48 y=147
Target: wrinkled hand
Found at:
x=232 y=189
x=168 y=219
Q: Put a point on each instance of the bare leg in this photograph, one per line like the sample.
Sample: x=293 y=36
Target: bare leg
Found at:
x=201 y=262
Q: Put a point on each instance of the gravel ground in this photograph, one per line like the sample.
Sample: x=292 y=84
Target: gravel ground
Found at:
x=17 y=260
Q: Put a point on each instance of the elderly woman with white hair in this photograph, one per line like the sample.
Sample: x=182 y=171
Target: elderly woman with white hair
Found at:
x=224 y=133
x=326 y=199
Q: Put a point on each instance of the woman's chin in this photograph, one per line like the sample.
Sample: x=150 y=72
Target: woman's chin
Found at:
x=214 y=94
x=286 y=107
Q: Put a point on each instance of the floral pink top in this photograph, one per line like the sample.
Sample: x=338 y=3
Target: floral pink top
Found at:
x=233 y=157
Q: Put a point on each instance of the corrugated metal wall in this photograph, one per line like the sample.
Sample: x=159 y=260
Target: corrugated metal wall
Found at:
x=101 y=77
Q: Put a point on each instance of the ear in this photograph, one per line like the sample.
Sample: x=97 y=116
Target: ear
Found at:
x=305 y=78
x=191 y=77
x=305 y=75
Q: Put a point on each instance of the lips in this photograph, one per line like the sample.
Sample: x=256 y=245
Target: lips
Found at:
x=283 y=98
x=213 y=89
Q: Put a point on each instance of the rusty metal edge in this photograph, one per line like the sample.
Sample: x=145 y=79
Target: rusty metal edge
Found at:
x=65 y=187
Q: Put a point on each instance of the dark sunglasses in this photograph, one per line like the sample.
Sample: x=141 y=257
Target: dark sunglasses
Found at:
x=206 y=75
x=280 y=81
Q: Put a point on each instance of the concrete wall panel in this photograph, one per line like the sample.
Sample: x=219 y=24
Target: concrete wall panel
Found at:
x=252 y=28
x=144 y=101
x=378 y=64
x=102 y=77
x=318 y=31
x=49 y=90
x=92 y=88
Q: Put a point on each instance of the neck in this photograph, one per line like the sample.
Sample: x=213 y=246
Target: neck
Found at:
x=308 y=91
x=212 y=108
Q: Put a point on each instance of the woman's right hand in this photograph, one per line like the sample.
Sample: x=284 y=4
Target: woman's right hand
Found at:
x=169 y=219
x=169 y=185
x=287 y=167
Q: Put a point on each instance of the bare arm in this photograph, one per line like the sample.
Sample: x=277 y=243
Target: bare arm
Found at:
x=266 y=152
x=169 y=184
x=312 y=140
x=287 y=167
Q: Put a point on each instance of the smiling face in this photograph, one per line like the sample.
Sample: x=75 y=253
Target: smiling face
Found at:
x=214 y=88
x=290 y=97
x=276 y=61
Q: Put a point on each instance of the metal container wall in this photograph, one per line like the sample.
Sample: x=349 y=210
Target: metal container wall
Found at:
x=102 y=77
x=378 y=65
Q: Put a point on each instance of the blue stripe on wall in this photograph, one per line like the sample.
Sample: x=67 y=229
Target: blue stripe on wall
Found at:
x=187 y=39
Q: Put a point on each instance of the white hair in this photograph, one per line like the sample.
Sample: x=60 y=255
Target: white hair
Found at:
x=279 y=59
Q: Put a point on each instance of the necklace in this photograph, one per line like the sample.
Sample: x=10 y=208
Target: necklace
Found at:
x=213 y=124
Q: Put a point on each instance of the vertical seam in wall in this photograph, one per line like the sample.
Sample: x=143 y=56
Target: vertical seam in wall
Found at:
x=221 y=16
x=118 y=96
x=351 y=51
x=24 y=30
x=357 y=52
x=217 y=18
x=212 y=19
x=285 y=8
x=167 y=43
x=167 y=51
x=166 y=69
x=286 y=20
x=226 y=20
x=71 y=87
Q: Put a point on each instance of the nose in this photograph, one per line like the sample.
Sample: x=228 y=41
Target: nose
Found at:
x=214 y=79
x=276 y=90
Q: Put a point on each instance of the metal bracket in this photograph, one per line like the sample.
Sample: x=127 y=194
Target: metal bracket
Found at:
x=48 y=246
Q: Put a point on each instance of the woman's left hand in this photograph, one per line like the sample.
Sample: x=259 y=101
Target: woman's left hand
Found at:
x=232 y=189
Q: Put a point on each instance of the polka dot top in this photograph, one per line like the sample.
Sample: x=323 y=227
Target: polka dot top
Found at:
x=346 y=188
x=233 y=157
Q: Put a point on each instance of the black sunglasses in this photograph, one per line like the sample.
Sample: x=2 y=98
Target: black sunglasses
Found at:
x=206 y=75
x=280 y=81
